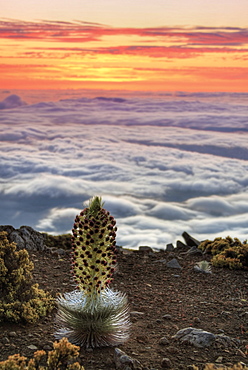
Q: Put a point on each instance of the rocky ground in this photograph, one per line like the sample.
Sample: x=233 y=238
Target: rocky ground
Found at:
x=162 y=300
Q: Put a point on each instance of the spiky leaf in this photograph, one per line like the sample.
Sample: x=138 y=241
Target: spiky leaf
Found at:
x=88 y=322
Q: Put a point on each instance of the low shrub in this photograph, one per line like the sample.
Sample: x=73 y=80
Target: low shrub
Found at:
x=238 y=366
x=61 y=358
x=227 y=252
x=58 y=241
x=20 y=300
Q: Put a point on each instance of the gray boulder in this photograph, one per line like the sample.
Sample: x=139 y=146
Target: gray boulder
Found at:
x=33 y=239
x=197 y=337
x=17 y=238
x=125 y=362
x=194 y=251
x=181 y=246
x=190 y=241
x=25 y=237
x=170 y=247
x=8 y=228
x=145 y=248
x=174 y=264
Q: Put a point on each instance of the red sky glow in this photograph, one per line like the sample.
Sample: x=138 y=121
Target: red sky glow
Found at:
x=48 y=54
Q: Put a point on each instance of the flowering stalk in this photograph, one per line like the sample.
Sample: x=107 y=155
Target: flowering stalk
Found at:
x=93 y=315
x=93 y=244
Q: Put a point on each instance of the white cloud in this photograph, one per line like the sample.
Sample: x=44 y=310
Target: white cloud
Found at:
x=120 y=206
x=167 y=211
x=12 y=101
x=212 y=205
x=57 y=220
x=219 y=226
x=163 y=165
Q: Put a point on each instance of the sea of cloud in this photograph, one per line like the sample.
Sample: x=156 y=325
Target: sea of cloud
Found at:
x=163 y=163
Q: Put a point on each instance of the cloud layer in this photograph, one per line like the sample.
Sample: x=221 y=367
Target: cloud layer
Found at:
x=80 y=31
x=163 y=164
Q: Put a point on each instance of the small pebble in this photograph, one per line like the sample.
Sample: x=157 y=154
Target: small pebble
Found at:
x=166 y=363
x=197 y=320
x=136 y=313
x=219 y=360
x=46 y=347
x=12 y=334
x=167 y=317
x=89 y=350
x=164 y=341
x=32 y=347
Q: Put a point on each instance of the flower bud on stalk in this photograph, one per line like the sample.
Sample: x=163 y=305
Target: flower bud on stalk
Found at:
x=94 y=251
x=93 y=315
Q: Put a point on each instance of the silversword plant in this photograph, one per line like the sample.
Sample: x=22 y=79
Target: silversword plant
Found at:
x=203 y=266
x=93 y=315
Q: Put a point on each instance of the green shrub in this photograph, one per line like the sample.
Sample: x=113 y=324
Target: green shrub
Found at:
x=227 y=252
x=64 y=353
x=58 y=241
x=219 y=244
x=20 y=300
x=238 y=366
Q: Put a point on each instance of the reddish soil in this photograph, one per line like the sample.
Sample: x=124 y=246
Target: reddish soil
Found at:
x=216 y=302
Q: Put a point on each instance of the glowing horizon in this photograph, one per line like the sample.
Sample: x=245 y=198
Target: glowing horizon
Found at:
x=77 y=54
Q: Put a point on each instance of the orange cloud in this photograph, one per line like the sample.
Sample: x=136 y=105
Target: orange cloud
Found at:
x=87 y=32
x=78 y=53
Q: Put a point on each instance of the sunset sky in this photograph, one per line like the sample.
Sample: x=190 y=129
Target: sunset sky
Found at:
x=188 y=45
